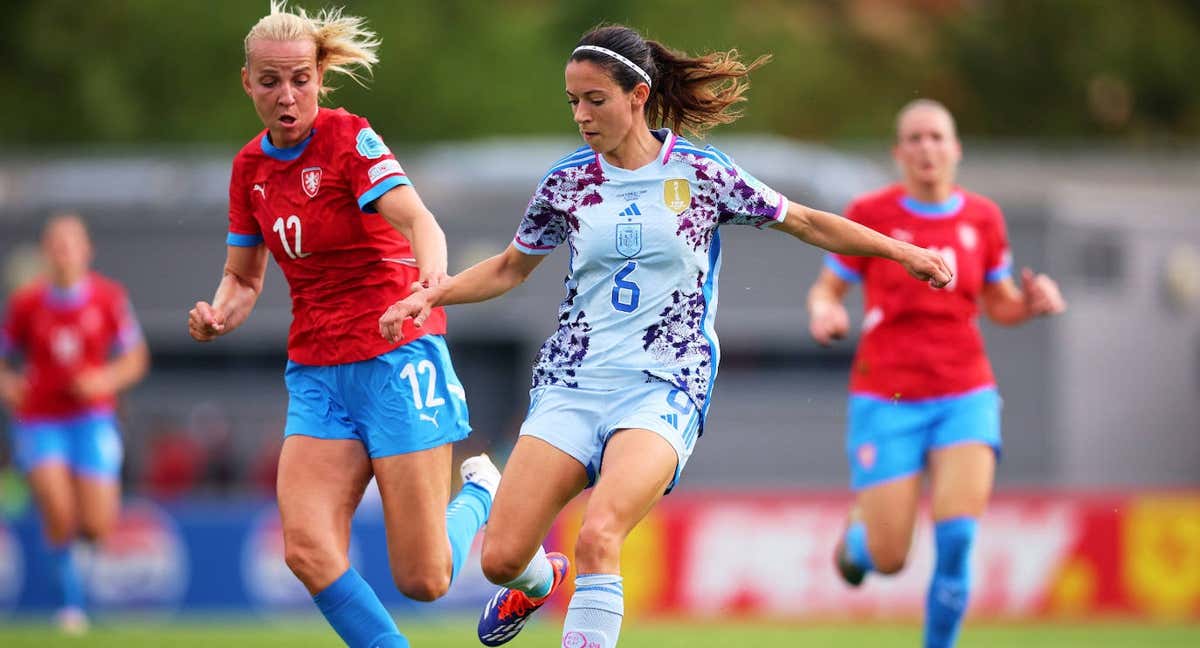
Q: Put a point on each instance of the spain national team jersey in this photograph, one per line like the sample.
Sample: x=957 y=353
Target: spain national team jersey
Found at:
x=645 y=253
x=917 y=341
x=313 y=206
x=60 y=333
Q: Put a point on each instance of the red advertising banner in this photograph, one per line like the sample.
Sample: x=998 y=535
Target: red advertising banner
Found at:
x=1036 y=556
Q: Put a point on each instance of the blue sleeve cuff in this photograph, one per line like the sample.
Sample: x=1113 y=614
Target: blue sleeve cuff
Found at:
x=998 y=274
x=243 y=240
x=371 y=195
x=840 y=269
x=127 y=338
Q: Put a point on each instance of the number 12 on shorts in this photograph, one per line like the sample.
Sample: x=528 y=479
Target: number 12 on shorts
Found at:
x=410 y=372
x=625 y=294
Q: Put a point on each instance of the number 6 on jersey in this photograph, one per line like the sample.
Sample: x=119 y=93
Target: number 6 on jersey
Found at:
x=626 y=294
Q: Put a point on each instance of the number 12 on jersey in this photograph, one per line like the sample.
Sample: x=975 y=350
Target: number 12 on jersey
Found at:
x=626 y=294
x=281 y=226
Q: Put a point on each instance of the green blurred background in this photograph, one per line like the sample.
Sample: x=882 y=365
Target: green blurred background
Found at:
x=147 y=72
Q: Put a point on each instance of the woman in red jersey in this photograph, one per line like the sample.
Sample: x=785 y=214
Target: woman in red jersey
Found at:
x=321 y=192
x=922 y=395
x=81 y=345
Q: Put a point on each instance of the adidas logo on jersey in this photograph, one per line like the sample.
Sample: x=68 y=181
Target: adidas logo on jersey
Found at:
x=631 y=210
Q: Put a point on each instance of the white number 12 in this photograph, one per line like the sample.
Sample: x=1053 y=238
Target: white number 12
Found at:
x=431 y=398
x=281 y=227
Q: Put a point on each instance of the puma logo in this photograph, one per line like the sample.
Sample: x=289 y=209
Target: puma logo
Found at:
x=425 y=417
x=261 y=189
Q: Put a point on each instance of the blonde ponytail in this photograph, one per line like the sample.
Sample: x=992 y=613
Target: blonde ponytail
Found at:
x=344 y=43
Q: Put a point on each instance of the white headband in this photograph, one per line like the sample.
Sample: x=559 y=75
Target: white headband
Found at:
x=636 y=68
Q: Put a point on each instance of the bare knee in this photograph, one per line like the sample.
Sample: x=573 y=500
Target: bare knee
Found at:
x=59 y=525
x=422 y=584
x=91 y=535
x=314 y=561
x=598 y=548
x=95 y=530
x=889 y=557
x=500 y=563
x=60 y=533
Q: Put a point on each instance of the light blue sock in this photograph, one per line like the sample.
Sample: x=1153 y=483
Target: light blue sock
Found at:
x=464 y=516
x=595 y=612
x=950 y=588
x=357 y=615
x=538 y=577
x=856 y=547
x=66 y=576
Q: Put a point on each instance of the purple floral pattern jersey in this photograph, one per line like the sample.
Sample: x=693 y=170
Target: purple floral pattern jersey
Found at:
x=645 y=252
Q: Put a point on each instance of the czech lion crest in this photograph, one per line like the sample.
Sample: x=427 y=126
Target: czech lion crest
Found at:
x=310 y=181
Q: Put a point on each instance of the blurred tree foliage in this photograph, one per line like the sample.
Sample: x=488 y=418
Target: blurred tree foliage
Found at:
x=149 y=71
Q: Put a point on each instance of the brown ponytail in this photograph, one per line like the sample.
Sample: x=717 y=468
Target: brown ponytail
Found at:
x=686 y=93
x=697 y=93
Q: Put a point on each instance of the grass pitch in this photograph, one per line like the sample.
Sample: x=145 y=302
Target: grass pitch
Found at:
x=460 y=634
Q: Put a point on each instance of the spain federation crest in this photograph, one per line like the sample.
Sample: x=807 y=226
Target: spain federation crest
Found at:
x=310 y=181
x=629 y=239
x=677 y=194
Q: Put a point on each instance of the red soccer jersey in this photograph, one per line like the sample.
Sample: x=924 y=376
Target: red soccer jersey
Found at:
x=313 y=205
x=917 y=341
x=63 y=332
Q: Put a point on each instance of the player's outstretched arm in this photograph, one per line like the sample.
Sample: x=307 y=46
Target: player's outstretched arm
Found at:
x=1008 y=305
x=485 y=280
x=404 y=209
x=119 y=374
x=12 y=387
x=827 y=317
x=843 y=236
x=236 y=295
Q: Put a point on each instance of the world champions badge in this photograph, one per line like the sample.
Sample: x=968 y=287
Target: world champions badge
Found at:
x=677 y=194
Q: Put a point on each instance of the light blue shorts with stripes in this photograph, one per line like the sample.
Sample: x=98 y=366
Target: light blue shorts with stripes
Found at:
x=581 y=421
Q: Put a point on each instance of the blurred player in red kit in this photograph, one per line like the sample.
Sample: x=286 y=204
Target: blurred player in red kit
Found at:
x=79 y=345
x=922 y=395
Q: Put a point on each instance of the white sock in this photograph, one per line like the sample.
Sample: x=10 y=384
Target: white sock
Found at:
x=537 y=578
x=594 y=615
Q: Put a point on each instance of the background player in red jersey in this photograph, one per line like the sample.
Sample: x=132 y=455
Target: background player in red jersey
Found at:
x=80 y=345
x=922 y=394
x=319 y=190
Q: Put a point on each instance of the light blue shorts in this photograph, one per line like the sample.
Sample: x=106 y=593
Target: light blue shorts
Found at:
x=89 y=444
x=406 y=400
x=892 y=439
x=580 y=421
